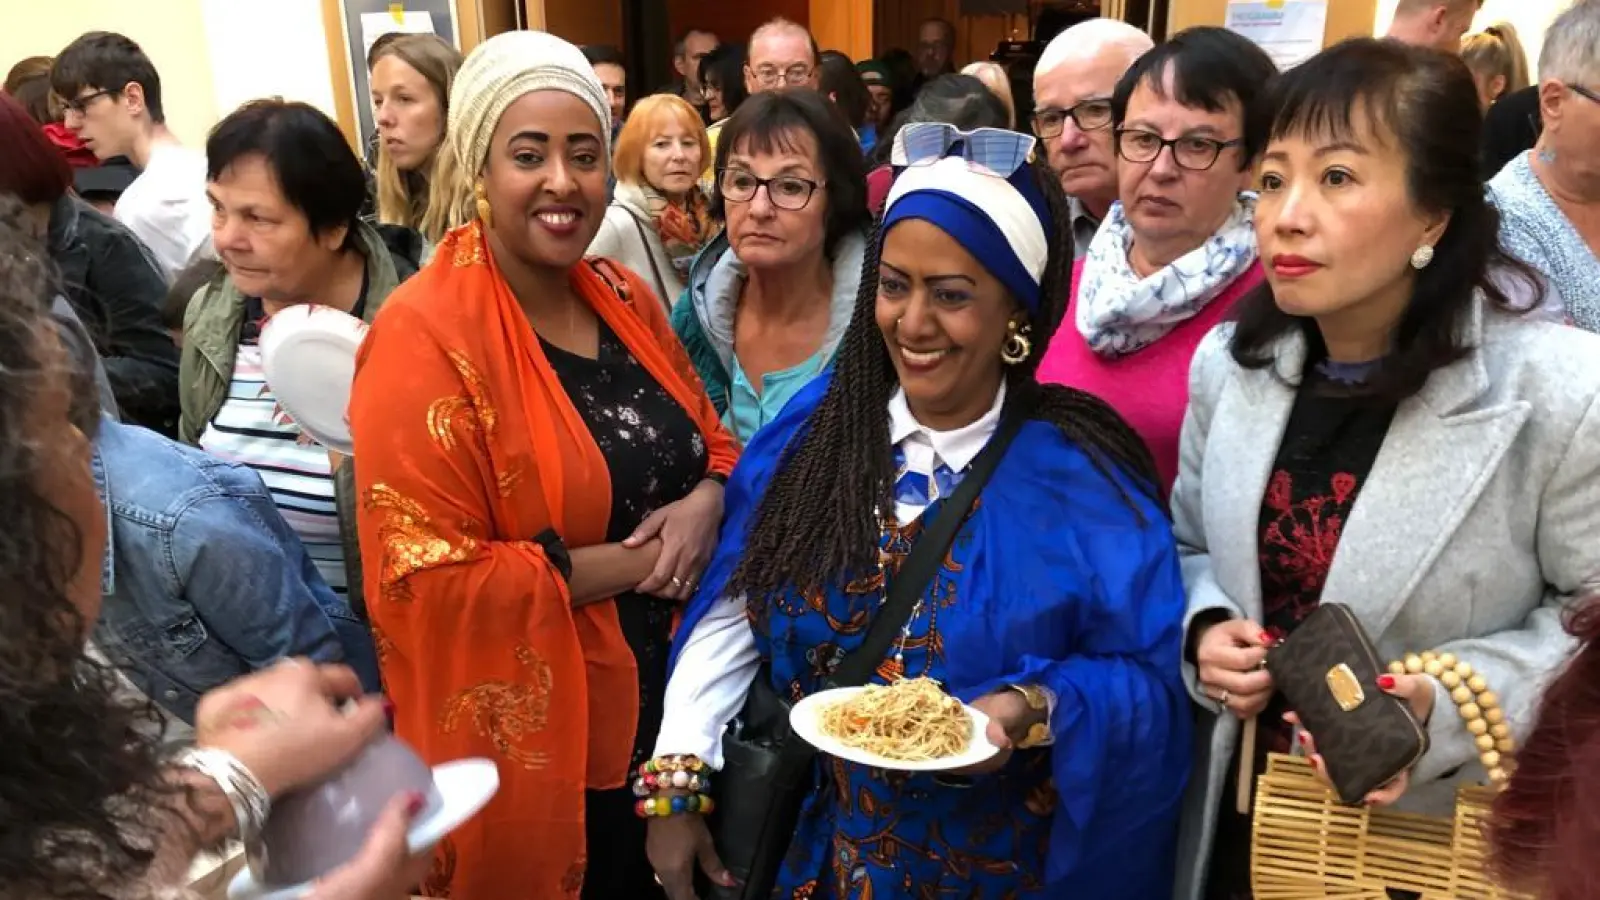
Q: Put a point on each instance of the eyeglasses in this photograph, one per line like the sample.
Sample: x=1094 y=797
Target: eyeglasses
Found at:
x=1192 y=152
x=1092 y=114
x=80 y=105
x=1582 y=91
x=789 y=192
x=795 y=75
x=991 y=151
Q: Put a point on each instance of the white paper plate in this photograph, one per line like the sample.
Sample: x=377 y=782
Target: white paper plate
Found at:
x=805 y=718
x=308 y=356
x=464 y=786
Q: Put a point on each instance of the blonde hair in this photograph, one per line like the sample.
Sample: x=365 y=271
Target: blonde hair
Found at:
x=995 y=79
x=649 y=117
x=419 y=199
x=1497 y=51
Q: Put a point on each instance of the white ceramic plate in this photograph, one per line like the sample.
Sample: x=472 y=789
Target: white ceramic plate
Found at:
x=464 y=786
x=308 y=356
x=805 y=718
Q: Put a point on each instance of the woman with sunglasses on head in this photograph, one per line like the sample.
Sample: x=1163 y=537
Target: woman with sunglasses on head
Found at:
x=768 y=300
x=1383 y=427
x=1177 y=250
x=1055 y=608
x=1549 y=197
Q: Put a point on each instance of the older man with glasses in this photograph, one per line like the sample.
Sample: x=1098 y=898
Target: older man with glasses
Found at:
x=1072 y=87
x=782 y=54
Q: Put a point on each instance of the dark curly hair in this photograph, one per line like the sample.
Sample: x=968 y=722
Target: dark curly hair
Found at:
x=80 y=776
x=817 y=520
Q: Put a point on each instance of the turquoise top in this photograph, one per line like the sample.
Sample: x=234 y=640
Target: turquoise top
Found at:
x=749 y=410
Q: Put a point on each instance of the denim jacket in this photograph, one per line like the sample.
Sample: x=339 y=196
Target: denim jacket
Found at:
x=202 y=579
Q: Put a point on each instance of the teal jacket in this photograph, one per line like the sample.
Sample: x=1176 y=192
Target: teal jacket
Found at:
x=703 y=315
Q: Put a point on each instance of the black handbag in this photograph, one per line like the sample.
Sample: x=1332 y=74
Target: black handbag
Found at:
x=766 y=770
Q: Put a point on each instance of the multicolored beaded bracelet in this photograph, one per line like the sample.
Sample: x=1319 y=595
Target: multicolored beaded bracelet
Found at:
x=661 y=807
x=684 y=773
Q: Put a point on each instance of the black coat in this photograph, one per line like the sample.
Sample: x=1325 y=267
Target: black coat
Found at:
x=117 y=290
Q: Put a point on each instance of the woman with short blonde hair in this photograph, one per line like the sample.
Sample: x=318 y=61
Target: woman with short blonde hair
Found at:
x=411 y=77
x=659 y=218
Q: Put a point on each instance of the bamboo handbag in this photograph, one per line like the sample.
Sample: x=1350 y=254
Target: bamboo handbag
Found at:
x=1306 y=844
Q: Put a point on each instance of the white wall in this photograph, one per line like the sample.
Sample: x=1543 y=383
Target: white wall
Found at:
x=275 y=49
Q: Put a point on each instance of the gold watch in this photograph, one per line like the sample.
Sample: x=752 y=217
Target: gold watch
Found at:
x=1038 y=701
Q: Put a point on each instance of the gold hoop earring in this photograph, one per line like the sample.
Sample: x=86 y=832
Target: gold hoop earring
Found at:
x=485 y=214
x=1017 y=347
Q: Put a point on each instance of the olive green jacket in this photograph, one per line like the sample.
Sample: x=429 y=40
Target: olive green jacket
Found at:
x=211 y=330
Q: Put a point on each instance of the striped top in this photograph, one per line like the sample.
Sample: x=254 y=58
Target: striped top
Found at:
x=252 y=430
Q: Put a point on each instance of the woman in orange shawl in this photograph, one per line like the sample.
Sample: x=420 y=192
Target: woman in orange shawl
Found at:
x=540 y=475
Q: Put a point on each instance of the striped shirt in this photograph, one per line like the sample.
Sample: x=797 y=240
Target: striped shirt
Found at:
x=251 y=429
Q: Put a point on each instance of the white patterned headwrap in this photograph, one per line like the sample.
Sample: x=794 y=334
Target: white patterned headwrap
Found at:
x=502 y=69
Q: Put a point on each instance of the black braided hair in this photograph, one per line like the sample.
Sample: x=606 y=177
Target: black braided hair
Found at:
x=818 y=521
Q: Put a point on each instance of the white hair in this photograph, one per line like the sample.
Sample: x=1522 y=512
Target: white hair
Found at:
x=1572 y=45
x=1085 y=39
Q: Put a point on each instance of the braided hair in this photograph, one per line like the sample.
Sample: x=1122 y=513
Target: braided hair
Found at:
x=818 y=520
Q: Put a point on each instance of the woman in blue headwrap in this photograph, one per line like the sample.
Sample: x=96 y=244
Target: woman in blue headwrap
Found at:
x=1057 y=609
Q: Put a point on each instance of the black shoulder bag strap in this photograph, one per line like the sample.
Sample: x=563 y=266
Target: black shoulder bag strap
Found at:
x=793 y=776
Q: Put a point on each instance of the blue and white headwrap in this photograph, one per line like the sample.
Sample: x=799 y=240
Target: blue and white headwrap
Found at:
x=975 y=187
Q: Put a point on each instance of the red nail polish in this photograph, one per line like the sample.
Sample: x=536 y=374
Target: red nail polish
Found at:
x=414 y=804
x=1305 y=739
x=388 y=708
x=1386 y=681
x=1266 y=638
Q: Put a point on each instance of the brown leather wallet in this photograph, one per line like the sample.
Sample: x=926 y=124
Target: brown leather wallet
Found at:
x=1328 y=670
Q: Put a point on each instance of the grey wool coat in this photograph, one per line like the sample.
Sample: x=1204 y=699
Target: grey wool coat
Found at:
x=1479 y=522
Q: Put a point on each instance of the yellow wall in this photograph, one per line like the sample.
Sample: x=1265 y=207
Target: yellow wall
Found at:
x=172 y=32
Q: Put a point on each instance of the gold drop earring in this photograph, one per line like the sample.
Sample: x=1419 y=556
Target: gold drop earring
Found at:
x=485 y=214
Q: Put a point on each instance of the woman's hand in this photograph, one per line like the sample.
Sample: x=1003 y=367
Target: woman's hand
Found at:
x=385 y=868
x=673 y=844
x=1231 y=658
x=285 y=723
x=688 y=533
x=1010 y=720
x=1417 y=691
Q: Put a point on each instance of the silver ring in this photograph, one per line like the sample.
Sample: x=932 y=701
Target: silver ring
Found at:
x=1224 y=697
x=677 y=582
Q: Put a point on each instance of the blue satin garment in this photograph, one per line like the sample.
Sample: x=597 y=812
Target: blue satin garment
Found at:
x=1054 y=580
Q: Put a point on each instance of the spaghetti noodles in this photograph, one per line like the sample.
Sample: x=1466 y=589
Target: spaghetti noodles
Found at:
x=912 y=720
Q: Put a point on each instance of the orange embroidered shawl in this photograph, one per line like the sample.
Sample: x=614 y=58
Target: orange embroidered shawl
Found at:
x=466 y=448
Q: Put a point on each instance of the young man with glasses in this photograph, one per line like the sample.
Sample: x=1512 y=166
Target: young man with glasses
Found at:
x=1072 y=87
x=112 y=97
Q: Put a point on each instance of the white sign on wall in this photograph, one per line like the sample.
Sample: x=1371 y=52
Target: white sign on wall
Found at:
x=1291 y=31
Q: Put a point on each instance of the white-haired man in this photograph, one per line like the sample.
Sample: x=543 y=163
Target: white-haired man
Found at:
x=1438 y=24
x=1072 y=86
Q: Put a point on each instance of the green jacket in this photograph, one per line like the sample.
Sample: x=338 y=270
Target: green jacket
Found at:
x=211 y=329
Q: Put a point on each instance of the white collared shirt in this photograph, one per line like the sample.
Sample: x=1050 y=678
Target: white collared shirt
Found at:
x=926 y=449
x=720 y=659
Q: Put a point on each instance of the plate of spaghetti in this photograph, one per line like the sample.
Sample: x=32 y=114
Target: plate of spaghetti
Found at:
x=911 y=725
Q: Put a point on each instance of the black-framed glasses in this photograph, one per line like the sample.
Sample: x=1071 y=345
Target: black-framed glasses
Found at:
x=771 y=76
x=1191 y=152
x=1582 y=91
x=992 y=151
x=1092 y=114
x=80 y=105
x=789 y=192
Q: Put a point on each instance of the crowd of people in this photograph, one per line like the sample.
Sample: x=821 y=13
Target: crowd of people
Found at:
x=660 y=394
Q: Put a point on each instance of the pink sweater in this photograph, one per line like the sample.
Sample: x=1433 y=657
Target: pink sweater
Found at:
x=1149 y=388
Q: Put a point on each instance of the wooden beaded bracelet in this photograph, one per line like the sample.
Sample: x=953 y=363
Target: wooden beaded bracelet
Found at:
x=1479 y=707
